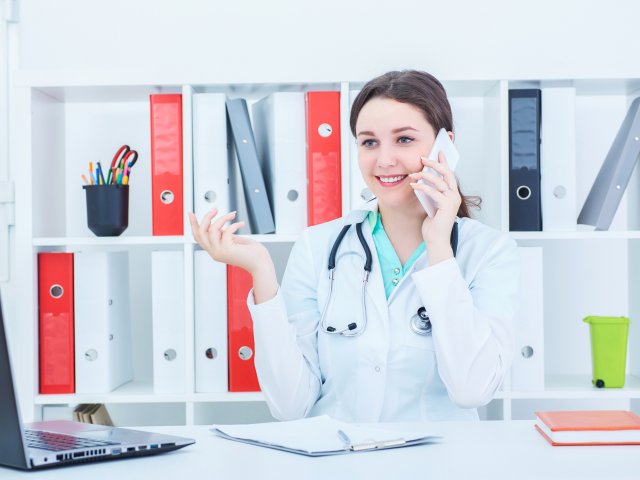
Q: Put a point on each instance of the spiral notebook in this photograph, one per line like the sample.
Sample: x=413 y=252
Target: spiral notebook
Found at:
x=320 y=436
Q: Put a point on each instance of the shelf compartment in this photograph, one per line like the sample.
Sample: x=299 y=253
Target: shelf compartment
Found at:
x=579 y=387
x=141 y=391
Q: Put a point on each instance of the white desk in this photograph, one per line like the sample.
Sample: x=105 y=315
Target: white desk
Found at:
x=497 y=450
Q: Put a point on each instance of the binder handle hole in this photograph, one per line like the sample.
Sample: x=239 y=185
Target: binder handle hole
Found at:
x=170 y=355
x=559 y=191
x=211 y=353
x=91 y=355
x=245 y=353
x=292 y=195
x=167 y=197
x=523 y=192
x=56 y=291
x=527 y=351
x=210 y=196
x=325 y=130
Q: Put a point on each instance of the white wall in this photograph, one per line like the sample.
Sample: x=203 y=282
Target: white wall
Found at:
x=296 y=40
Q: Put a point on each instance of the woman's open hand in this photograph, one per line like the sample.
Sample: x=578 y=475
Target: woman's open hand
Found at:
x=224 y=246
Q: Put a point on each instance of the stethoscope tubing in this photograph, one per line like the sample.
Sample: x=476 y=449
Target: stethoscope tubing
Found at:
x=352 y=329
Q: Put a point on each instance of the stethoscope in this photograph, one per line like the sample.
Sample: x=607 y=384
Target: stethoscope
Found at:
x=420 y=323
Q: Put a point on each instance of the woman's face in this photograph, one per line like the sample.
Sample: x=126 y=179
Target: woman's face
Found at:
x=392 y=136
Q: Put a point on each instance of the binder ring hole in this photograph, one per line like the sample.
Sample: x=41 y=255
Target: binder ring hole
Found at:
x=325 y=130
x=91 y=355
x=170 y=355
x=559 y=191
x=523 y=192
x=56 y=291
x=166 y=197
x=527 y=351
x=210 y=196
x=245 y=353
x=211 y=353
x=292 y=195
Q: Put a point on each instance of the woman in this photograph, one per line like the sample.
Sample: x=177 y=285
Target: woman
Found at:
x=369 y=354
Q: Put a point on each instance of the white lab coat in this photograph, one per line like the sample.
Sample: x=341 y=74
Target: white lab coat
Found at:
x=388 y=373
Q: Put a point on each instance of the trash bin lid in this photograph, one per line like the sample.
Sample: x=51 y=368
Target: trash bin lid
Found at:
x=600 y=320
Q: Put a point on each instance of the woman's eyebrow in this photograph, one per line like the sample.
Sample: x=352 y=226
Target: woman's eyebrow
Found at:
x=367 y=132
x=395 y=130
x=402 y=129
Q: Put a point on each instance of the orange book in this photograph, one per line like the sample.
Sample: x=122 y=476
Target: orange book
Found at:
x=589 y=427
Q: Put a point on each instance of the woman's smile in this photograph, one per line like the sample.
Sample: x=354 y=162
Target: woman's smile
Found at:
x=391 y=180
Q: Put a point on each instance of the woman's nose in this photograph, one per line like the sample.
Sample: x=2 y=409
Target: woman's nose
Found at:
x=386 y=157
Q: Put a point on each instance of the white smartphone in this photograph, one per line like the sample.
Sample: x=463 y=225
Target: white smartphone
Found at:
x=442 y=144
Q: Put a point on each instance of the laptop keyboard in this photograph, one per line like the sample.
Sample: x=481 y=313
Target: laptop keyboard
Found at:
x=57 y=442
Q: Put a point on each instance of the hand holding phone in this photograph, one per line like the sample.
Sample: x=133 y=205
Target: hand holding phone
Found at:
x=442 y=144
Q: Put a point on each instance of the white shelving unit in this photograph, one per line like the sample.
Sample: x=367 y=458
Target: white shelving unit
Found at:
x=67 y=119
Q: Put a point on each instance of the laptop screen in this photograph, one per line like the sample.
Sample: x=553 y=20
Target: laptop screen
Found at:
x=12 y=452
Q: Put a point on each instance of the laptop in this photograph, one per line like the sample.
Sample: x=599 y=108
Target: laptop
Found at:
x=57 y=443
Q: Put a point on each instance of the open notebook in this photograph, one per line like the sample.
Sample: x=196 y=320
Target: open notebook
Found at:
x=323 y=435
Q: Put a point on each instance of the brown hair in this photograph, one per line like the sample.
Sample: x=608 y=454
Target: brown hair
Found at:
x=423 y=91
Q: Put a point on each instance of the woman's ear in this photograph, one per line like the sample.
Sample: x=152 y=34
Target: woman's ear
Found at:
x=451 y=136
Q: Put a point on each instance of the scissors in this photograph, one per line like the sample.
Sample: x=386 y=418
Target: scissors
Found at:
x=129 y=163
x=117 y=158
x=123 y=160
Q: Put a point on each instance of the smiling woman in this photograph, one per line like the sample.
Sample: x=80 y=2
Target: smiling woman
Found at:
x=405 y=317
x=423 y=99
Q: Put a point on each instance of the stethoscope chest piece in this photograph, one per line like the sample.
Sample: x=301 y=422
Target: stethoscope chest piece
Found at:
x=420 y=322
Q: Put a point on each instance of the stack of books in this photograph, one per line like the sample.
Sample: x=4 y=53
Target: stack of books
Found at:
x=591 y=427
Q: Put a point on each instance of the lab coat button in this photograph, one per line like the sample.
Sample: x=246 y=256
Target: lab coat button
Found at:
x=377 y=368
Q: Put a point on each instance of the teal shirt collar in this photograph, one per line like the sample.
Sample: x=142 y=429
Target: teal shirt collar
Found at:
x=392 y=269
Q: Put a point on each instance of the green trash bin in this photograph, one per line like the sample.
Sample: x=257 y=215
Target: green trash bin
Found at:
x=608 y=350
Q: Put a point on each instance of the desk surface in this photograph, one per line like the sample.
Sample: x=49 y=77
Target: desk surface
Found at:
x=468 y=450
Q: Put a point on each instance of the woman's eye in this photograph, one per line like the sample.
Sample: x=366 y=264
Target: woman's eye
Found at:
x=368 y=143
x=405 y=140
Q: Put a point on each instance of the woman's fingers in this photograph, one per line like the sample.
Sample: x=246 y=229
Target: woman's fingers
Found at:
x=435 y=180
x=432 y=192
x=444 y=170
x=205 y=224
x=440 y=198
x=442 y=167
x=216 y=228
x=227 y=232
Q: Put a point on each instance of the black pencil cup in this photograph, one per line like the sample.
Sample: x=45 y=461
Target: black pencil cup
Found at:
x=107 y=209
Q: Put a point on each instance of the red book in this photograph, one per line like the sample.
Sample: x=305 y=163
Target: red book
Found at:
x=242 y=370
x=166 y=164
x=590 y=427
x=55 y=300
x=324 y=191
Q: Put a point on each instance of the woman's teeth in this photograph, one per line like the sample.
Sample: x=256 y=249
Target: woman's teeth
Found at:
x=392 y=179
